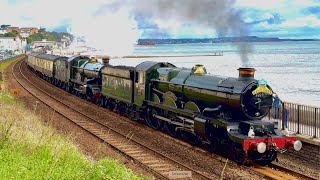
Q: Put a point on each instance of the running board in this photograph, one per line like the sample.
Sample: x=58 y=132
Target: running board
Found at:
x=190 y=127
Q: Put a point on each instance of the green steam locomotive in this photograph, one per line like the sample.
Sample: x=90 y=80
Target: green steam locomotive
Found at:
x=213 y=110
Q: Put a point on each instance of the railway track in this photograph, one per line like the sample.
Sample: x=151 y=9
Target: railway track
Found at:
x=160 y=165
x=287 y=172
x=152 y=160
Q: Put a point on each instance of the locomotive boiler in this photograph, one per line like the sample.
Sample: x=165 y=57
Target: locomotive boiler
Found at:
x=240 y=98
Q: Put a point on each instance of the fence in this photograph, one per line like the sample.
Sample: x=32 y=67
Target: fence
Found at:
x=298 y=118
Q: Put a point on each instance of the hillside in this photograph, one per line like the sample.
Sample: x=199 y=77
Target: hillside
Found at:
x=219 y=40
x=49 y=36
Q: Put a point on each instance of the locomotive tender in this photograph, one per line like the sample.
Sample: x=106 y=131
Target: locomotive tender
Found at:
x=214 y=110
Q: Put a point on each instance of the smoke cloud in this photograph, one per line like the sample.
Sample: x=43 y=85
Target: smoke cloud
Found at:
x=113 y=23
x=112 y=33
x=219 y=15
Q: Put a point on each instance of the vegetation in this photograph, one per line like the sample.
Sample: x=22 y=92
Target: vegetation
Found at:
x=4 y=65
x=11 y=34
x=49 y=36
x=31 y=150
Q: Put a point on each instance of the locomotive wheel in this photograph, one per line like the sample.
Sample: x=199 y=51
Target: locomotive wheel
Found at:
x=239 y=155
x=171 y=129
x=272 y=155
x=265 y=162
x=102 y=102
x=111 y=104
x=151 y=120
x=147 y=118
x=122 y=109
x=214 y=144
x=192 y=139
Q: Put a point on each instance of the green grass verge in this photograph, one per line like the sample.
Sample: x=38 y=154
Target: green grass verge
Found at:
x=6 y=97
x=30 y=150
x=4 y=65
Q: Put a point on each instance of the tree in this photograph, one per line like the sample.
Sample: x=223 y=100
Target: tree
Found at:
x=42 y=30
x=35 y=37
x=11 y=34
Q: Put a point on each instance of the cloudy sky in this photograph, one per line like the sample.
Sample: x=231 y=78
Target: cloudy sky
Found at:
x=168 y=19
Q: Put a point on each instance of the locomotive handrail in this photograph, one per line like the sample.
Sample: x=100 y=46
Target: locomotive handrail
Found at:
x=313 y=106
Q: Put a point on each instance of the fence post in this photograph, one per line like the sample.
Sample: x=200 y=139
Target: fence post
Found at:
x=283 y=115
x=315 y=123
x=270 y=114
x=298 y=119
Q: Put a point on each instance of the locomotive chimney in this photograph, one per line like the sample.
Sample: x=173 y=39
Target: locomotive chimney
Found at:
x=245 y=73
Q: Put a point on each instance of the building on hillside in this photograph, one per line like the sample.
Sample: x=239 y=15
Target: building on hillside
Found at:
x=44 y=43
x=10 y=29
x=65 y=41
x=13 y=43
x=25 y=32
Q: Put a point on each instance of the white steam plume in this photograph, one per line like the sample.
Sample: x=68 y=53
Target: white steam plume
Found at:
x=112 y=27
x=112 y=33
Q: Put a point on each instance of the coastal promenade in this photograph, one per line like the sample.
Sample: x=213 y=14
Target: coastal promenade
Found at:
x=304 y=122
x=298 y=119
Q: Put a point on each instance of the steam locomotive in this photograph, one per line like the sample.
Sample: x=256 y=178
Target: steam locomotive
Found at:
x=212 y=110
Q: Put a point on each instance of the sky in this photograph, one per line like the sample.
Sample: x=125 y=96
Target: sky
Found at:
x=167 y=19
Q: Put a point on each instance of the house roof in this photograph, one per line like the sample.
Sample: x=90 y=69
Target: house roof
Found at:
x=7 y=37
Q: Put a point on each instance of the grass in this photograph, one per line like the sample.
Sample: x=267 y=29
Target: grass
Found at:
x=32 y=150
x=4 y=65
x=5 y=97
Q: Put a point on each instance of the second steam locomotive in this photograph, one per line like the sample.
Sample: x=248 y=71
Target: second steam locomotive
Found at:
x=209 y=109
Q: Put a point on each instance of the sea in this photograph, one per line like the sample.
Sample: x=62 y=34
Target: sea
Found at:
x=291 y=68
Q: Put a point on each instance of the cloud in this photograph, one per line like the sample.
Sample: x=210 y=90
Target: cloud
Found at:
x=256 y=4
x=169 y=19
x=307 y=21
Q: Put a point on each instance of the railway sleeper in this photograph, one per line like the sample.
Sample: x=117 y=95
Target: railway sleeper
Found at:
x=150 y=161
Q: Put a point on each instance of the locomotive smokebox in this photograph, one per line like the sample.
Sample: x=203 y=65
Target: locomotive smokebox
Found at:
x=245 y=73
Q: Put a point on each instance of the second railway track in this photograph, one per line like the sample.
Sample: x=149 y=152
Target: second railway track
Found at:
x=152 y=160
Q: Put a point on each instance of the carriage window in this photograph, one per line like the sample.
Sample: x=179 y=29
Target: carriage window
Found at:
x=136 y=77
x=141 y=77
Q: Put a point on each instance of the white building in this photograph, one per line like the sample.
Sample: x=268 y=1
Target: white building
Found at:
x=2 y=31
x=12 y=43
x=44 y=43
x=25 y=32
